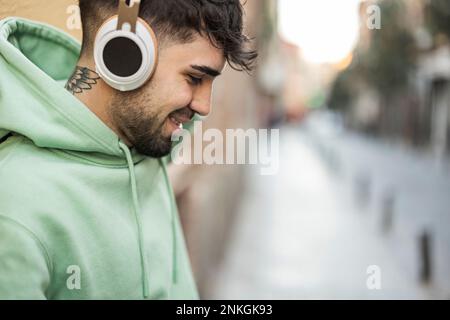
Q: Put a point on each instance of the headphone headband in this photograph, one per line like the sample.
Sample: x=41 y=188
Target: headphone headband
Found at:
x=128 y=14
x=125 y=49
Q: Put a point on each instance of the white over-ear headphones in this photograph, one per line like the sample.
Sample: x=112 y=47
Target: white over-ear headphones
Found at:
x=125 y=49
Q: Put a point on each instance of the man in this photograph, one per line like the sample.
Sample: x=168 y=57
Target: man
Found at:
x=86 y=209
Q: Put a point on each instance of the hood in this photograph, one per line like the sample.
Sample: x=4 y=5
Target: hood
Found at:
x=35 y=62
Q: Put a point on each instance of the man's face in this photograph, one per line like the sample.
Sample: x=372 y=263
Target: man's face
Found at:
x=180 y=87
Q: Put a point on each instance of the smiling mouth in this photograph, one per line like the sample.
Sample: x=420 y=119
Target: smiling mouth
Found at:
x=177 y=123
x=180 y=117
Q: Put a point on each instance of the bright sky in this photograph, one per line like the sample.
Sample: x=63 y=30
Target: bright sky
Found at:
x=325 y=30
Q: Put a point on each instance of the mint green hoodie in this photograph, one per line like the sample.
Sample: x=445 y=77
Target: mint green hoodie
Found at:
x=81 y=215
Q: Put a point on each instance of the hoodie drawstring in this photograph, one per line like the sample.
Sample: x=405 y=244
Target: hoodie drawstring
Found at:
x=137 y=215
x=174 y=230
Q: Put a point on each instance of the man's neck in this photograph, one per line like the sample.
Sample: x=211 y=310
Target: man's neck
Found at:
x=87 y=86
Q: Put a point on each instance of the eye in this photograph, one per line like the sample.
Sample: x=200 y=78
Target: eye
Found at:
x=195 y=80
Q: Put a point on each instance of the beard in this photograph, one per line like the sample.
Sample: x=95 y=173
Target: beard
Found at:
x=142 y=124
x=148 y=139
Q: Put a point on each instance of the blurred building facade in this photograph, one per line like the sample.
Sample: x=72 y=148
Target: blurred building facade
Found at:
x=397 y=85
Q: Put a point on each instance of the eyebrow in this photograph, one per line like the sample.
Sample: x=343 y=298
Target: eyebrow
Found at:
x=206 y=70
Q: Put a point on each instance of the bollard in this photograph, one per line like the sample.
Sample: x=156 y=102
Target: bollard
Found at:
x=425 y=257
x=387 y=214
x=362 y=185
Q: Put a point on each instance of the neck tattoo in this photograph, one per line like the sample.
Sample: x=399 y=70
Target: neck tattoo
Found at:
x=82 y=79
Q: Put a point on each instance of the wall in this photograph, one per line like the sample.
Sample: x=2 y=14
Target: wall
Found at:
x=58 y=13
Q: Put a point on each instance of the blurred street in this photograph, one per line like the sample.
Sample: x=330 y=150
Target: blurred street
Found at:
x=339 y=204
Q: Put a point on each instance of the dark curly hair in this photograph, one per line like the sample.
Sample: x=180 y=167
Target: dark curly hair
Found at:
x=178 y=20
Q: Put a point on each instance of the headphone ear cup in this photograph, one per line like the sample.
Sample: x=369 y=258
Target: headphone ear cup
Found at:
x=122 y=56
x=123 y=59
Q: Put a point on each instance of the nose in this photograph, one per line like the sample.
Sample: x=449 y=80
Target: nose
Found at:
x=201 y=102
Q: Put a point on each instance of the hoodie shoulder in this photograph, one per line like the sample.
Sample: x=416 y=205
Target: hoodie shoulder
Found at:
x=25 y=170
x=18 y=152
